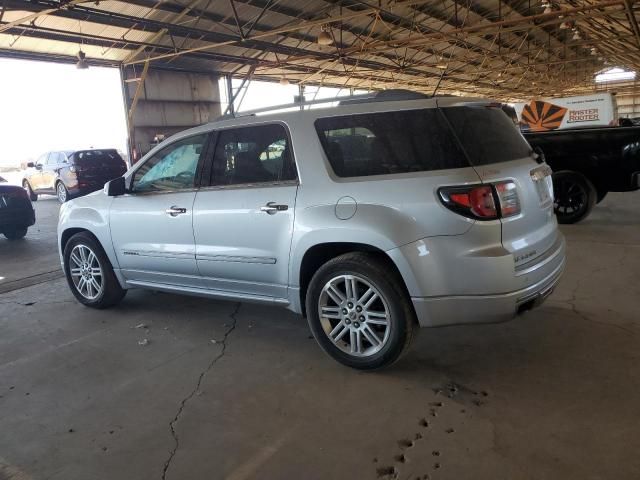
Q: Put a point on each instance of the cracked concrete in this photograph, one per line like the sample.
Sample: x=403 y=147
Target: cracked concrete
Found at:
x=183 y=403
x=552 y=394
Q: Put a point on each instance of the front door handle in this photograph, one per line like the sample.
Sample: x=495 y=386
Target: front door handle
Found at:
x=272 y=208
x=175 y=211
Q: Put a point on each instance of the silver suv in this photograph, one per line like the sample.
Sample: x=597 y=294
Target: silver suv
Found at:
x=370 y=218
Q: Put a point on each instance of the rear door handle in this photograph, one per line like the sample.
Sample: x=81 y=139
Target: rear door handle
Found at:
x=175 y=211
x=272 y=208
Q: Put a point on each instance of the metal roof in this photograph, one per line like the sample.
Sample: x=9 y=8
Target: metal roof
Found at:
x=507 y=49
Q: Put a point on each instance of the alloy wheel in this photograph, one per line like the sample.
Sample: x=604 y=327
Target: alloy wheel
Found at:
x=86 y=272
x=570 y=197
x=62 y=192
x=354 y=315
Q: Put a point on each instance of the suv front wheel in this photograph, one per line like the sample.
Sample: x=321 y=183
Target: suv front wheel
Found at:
x=89 y=272
x=359 y=313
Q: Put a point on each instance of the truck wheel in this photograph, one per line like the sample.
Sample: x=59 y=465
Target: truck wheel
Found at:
x=601 y=194
x=15 y=233
x=89 y=272
x=359 y=313
x=575 y=196
x=32 y=196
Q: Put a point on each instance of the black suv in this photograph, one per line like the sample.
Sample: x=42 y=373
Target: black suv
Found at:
x=68 y=174
x=16 y=211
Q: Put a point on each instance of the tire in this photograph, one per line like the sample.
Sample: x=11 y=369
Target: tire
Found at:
x=601 y=193
x=62 y=193
x=32 y=196
x=99 y=290
x=15 y=233
x=575 y=196
x=369 y=274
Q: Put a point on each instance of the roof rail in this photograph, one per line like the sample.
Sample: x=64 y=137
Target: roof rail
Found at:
x=395 y=95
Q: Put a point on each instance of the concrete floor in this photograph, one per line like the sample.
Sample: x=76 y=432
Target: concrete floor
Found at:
x=550 y=395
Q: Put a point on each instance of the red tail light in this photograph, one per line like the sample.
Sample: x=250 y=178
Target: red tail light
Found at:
x=482 y=202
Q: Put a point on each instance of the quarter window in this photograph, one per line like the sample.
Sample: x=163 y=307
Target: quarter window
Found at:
x=389 y=142
x=256 y=154
x=172 y=168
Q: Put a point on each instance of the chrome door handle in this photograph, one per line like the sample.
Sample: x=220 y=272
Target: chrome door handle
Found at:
x=272 y=208
x=175 y=211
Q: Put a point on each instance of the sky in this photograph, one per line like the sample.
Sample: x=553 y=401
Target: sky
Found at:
x=48 y=106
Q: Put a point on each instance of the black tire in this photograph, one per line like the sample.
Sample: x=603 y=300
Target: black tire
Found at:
x=32 y=196
x=15 y=233
x=374 y=272
x=601 y=194
x=111 y=292
x=575 y=196
x=62 y=193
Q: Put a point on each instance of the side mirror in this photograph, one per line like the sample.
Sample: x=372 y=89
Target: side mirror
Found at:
x=538 y=155
x=38 y=166
x=115 y=187
x=31 y=165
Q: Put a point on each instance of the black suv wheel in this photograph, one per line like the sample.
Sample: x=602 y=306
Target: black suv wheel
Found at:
x=575 y=196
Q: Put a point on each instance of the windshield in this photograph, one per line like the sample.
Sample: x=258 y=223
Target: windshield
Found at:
x=487 y=134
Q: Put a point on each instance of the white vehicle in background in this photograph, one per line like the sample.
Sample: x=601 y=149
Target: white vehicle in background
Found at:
x=541 y=115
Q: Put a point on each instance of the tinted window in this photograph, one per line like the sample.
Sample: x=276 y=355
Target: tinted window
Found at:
x=389 y=142
x=253 y=155
x=487 y=134
x=96 y=158
x=172 y=168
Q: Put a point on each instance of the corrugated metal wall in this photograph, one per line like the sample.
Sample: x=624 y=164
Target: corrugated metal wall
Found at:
x=168 y=102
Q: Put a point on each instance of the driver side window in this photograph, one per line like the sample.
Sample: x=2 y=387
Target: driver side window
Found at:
x=172 y=168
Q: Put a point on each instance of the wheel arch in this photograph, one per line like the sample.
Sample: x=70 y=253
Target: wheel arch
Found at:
x=317 y=255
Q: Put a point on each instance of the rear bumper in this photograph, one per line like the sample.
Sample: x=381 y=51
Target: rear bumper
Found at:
x=458 y=310
x=17 y=217
x=449 y=285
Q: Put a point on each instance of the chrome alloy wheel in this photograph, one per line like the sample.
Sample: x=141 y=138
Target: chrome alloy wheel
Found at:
x=354 y=315
x=86 y=272
x=62 y=192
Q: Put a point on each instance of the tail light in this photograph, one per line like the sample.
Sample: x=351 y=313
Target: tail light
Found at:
x=482 y=202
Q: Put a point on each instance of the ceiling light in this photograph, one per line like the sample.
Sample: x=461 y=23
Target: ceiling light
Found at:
x=594 y=51
x=576 y=35
x=565 y=26
x=82 y=60
x=324 y=38
x=284 y=81
x=441 y=66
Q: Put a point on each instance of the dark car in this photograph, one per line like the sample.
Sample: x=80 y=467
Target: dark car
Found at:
x=16 y=211
x=588 y=163
x=69 y=174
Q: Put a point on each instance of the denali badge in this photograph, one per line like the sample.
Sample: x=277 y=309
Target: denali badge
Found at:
x=524 y=256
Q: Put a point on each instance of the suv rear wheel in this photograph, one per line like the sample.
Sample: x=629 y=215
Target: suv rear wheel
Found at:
x=62 y=192
x=575 y=196
x=358 y=313
x=89 y=272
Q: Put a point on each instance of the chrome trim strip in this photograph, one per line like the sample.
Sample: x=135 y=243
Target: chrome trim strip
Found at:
x=238 y=186
x=209 y=293
x=158 y=254
x=236 y=259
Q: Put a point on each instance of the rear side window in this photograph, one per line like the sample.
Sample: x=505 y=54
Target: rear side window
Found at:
x=256 y=154
x=487 y=134
x=389 y=142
